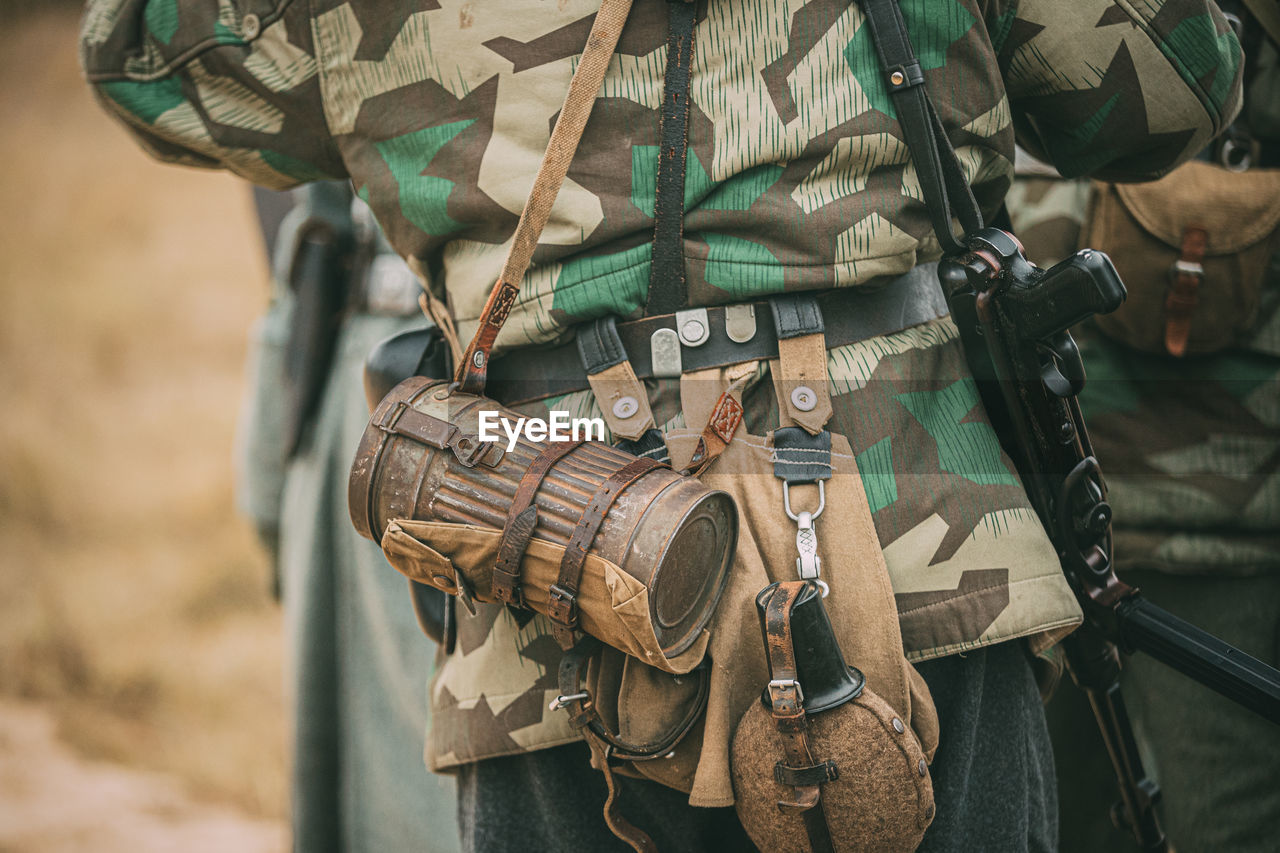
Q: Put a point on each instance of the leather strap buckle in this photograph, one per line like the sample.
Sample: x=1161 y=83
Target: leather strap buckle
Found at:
x=786 y=694
x=562 y=606
x=1183 y=267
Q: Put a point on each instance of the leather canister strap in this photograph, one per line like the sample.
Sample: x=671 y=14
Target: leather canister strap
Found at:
x=522 y=518
x=787 y=704
x=1185 y=276
x=563 y=603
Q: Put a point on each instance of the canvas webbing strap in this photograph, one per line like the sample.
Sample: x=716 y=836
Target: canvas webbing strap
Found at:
x=667 y=283
x=621 y=395
x=473 y=369
x=942 y=180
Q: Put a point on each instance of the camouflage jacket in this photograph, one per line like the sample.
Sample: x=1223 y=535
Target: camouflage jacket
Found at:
x=439 y=112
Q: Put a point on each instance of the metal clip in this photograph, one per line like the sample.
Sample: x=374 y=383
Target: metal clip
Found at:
x=808 y=563
x=664 y=352
x=786 y=501
x=693 y=326
x=740 y=322
x=563 y=701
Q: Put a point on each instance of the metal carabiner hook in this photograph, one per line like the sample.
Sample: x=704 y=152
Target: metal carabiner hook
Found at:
x=786 y=501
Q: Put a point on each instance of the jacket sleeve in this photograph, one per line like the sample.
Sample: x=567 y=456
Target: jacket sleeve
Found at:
x=214 y=84
x=1122 y=90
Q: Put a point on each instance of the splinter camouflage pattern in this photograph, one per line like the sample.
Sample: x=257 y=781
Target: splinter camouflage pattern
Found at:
x=1191 y=446
x=439 y=113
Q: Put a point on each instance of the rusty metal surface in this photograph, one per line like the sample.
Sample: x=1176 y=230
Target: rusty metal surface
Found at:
x=667 y=530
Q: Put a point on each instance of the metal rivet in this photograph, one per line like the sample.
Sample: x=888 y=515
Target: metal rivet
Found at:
x=898 y=726
x=922 y=767
x=478 y=358
x=694 y=326
x=897 y=78
x=250 y=26
x=803 y=398
x=442 y=394
x=625 y=407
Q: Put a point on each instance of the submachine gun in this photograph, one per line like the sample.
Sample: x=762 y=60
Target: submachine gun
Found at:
x=1013 y=319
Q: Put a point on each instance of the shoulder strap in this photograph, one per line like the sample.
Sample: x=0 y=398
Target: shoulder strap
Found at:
x=473 y=368
x=941 y=178
x=667 y=285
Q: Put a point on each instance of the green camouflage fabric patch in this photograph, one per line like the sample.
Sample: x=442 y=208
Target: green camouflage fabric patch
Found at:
x=439 y=112
x=1190 y=447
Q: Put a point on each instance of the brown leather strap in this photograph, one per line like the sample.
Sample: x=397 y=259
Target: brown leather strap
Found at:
x=473 y=369
x=624 y=829
x=403 y=419
x=1184 y=294
x=563 y=604
x=716 y=435
x=786 y=699
x=522 y=518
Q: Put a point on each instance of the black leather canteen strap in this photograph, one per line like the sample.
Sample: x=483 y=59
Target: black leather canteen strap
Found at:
x=941 y=178
x=666 y=274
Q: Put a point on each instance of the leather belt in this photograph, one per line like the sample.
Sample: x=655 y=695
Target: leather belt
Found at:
x=850 y=315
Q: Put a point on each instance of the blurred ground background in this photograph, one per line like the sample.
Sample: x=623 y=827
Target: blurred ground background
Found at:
x=136 y=628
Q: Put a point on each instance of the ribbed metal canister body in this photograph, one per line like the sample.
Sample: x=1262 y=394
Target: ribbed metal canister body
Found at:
x=667 y=530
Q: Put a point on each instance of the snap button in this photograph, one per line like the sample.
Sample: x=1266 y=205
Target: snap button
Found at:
x=897 y=726
x=694 y=326
x=250 y=26
x=803 y=398
x=625 y=407
x=897 y=78
x=478 y=358
x=922 y=768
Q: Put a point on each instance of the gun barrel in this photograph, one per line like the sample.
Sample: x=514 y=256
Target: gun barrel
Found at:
x=1218 y=665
